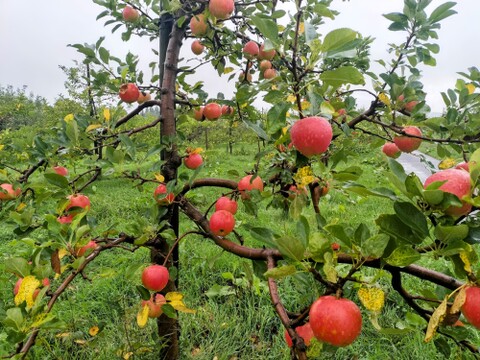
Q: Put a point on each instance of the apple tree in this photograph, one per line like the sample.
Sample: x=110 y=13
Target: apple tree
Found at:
x=275 y=53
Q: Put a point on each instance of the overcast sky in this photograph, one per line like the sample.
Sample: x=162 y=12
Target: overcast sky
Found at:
x=34 y=36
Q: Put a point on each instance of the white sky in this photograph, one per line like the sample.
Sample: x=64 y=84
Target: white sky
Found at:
x=34 y=37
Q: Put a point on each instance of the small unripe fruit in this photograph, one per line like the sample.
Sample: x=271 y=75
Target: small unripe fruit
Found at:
x=269 y=74
x=129 y=93
x=7 y=192
x=335 y=321
x=265 y=64
x=457 y=183
x=408 y=144
x=304 y=331
x=311 y=135
x=251 y=49
x=222 y=223
x=160 y=190
x=212 y=111
x=224 y=203
x=266 y=55
x=60 y=170
x=335 y=246
x=246 y=184
x=198 y=25
x=197 y=47
x=193 y=161
x=391 y=150
x=155 y=277
x=221 y=9
x=471 y=307
x=130 y=14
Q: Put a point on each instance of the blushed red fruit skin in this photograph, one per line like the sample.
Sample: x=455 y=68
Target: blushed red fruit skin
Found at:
x=463 y=166
x=78 y=200
x=335 y=321
x=335 y=246
x=408 y=144
x=227 y=110
x=144 y=97
x=212 y=111
x=266 y=55
x=265 y=64
x=198 y=114
x=155 y=277
x=471 y=307
x=222 y=222
x=130 y=14
x=129 y=93
x=221 y=9
x=251 y=49
x=304 y=331
x=391 y=150
x=10 y=192
x=65 y=219
x=293 y=192
x=193 y=161
x=162 y=189
x=198 y=25
x=246 y=184
x=197 y=47
x=224 y=203
x=269 y=74
x=410 y=105
x=60 y=170
x=155 y=306
x=91 y=245
x=457 y=183
x=311 y=135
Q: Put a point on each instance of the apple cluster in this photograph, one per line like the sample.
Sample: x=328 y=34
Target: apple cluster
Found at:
x=212 y=111
x=130 y=93
x=155 y=278
x=76 y=204
x=404 y=143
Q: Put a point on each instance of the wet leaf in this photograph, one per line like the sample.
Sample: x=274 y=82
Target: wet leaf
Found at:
x=435 y=320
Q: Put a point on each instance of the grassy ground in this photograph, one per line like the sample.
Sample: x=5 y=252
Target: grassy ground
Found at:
x=234 y=318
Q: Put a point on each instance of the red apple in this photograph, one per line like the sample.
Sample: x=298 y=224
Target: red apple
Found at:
x=391 y=150
x=212 y=111
x=155 y=305
x=266 y=55
x=222 y=222
x=197 y=47
x=155 y=277
x=269 y=74
x=65 y=219
x=224 y=203
x=251 y=49
x=130 y=14
x=163 y=200
x=246 y=184
x=471 y=307
x=463 y=166
x=143 y=97
x=265 y=64
x=198 y=114
x=227 y=110
x=77 y=201
x=293 y=192
x=304 y=331
x=60 y=170
x=410 y=105
x=311 y=135
x=193 y=161
x=335 y=246
x=7 y=192
x=341 y=112
x=221 y=9
x=198 y=25
x=129 y=93
x=87 y=249
x=457 y=183
x=335 y=321
x=408 y=144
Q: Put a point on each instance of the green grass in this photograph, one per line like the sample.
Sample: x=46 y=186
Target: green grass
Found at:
x=237 y=324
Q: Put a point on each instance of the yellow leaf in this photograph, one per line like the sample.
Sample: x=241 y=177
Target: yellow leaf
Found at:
x=127 y=355
x=435 y=320
x=384 y=99
x=69 y=118
x=1 y=147
x=175 y=300
x=470 y=88
x=25 y=292
x=142 y=317
x=21 y=206
x=106 y=114
x=459 y=301
x=93 y=127
x=81 y=342
x=62 y=253
x=466 y=261
x=372 y=298
x=274 y=87
x=228 y=70
x=196 y=151
x=304 y=176
x=305 y=104
x=291 y=98
x=159 y=177
x=301 y=28
x=447 y=163
x=93 y=331
x=284 y=130
x=63 y=335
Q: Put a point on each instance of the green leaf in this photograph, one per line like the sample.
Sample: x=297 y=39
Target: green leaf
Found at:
x=337 y=39
x=303 y=230
x=442 y=12
x=18 y=266
x=14 y=318
x=396 y=17
x=291 y=247
x=310 y=32
x=395 y=228
x=276 y=117
x=412 y=217
x=296 y=206
x=375 y=246
x=363 y=191
x=261 y=234
x=403 y=256
x=57 y=180
x=451 y=233
x=104 y=55
x=219 y=290
x=280 y=272
x=257 y=129
x=267 y=27
x=342 y=75
x=361 y=234
x=169 y=311
x=340 y=232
